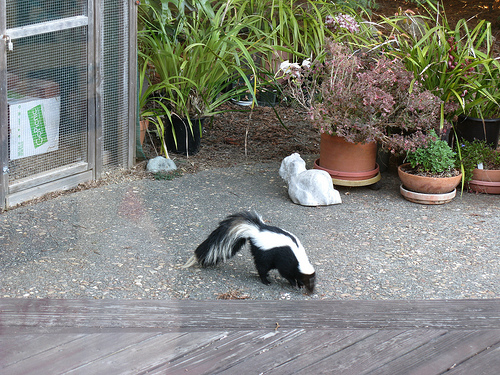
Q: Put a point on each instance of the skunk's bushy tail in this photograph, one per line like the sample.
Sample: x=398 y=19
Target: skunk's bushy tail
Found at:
x=225 y=241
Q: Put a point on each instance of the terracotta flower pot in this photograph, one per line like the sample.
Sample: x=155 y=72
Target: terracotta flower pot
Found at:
x=144 y=125
x=485 y=181
x=428 y=185
x=350 y=176
x=484 y=187
x=489 y=175
x=336 y=154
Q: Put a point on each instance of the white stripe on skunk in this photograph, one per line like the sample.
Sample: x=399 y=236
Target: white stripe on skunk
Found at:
x=271 y=247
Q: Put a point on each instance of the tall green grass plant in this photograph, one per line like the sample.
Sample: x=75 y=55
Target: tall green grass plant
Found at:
x=455 y=63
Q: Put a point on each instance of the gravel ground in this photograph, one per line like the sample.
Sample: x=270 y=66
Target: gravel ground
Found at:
x=130 y=239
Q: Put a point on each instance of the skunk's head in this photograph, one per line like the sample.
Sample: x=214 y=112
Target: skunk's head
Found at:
x=305 y=268
x=308 y=281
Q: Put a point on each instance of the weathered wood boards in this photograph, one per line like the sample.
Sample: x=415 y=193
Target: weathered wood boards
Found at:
x=278 y=337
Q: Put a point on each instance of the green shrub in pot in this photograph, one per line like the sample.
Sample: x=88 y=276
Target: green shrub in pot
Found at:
x=455 y=63
x=473 y=154
x=194 y=55
x=434 y=158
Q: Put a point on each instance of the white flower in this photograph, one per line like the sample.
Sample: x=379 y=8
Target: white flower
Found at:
x=306 y=63
x=285 y=65
x=290 y=68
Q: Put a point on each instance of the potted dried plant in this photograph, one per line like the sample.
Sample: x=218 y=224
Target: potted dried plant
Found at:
x=359 y=99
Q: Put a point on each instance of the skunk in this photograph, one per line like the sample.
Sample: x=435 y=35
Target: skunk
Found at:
x=271 y=247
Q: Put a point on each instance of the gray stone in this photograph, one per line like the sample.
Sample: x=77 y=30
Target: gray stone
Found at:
x=307 y=187
x=161 y=164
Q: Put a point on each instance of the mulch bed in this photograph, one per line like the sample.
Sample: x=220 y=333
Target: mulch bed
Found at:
x=242 y=135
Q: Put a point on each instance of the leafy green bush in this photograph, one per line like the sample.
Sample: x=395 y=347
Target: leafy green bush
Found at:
x=196 y=55
x=436 y=157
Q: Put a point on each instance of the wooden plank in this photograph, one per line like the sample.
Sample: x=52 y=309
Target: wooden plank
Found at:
x=4 y=118
x=150 y=355
x=443 y=353
x=68 y=352
x=38 y=191
x=361 y=356
x=15 y=348
x=300 y=352
x=47 y=27
x=49 y=176
x=34 y=315
x=485 y=363
x=117 y=353
x=233 y=349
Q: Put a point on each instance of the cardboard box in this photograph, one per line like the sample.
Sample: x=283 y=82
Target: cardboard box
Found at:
x=34 y=125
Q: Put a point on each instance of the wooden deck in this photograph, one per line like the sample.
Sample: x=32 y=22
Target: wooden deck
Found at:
x=249 y=337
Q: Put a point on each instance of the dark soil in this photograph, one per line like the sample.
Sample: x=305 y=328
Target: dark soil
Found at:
x=420 y=172
x=488 y=10
x=243 y=135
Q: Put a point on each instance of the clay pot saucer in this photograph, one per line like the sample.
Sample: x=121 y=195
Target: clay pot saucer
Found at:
x=427 y=198
x=349 y=176
x=486 y=187
x=489 y=175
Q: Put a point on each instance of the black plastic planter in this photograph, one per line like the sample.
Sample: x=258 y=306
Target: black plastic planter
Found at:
x=470 y=128
x=179 y=137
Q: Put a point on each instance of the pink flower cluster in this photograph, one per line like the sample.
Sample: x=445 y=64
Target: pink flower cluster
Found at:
x=452 y=64
x=342 y=21
x=366 y=97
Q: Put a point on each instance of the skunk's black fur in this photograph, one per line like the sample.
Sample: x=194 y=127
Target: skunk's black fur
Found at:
x=271 y=247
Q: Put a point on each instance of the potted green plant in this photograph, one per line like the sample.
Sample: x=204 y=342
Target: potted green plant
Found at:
x=455 y=63
x=481 y=166
x=287 y=30
x=195 y=55
x=358 y=100
x=480 y=119
x=430 y=176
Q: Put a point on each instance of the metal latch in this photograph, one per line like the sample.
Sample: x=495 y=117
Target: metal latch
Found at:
x=8 y=42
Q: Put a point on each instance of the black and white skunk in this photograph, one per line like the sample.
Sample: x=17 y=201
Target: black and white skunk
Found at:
x=271 y=247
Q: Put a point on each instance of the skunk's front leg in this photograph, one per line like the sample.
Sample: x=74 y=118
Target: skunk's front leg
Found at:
x=263 y=271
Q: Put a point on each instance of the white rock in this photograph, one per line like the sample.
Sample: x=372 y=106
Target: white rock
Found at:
x=307 y=187
x=160 y=164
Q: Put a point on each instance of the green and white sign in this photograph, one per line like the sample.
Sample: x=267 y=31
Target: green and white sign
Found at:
x=34 y=126
x=37 y=125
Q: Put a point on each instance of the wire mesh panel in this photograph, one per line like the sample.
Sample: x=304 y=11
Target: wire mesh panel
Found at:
x=29 y=12
x=47 y=80
x=68 y=110
x=115 y=83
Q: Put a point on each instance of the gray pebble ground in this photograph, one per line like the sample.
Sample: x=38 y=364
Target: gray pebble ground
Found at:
x=129 y=240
